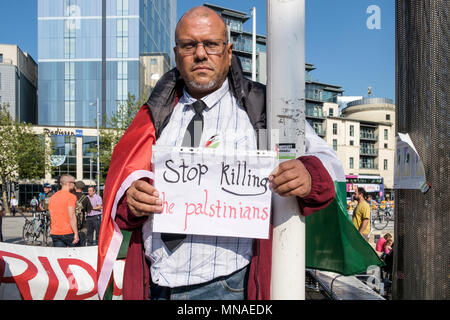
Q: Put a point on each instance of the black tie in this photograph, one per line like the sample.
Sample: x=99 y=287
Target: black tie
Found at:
x=191 y=139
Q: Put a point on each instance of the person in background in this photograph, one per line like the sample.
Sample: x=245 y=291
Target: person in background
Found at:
x=13 y=205
x=63 y=228
x=381 y=241
x=387 y=248
x=34 y=203
x=2 y=213
x=83 y=208
x=361 y=214
x=94 y=218
x=44 y=197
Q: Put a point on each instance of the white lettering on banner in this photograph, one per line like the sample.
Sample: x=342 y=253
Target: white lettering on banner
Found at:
x=47 y=273
x=209 y=192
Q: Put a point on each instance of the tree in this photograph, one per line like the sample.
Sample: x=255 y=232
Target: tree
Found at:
x=23 y=155
x=113 y=130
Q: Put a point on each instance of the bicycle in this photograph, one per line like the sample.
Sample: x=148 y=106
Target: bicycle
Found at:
x=381 y=218
x=34 y=228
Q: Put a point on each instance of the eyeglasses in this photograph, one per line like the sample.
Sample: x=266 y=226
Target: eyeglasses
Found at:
x=212 y=46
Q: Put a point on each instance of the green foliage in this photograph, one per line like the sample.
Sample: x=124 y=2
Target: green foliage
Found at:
x=23 y=155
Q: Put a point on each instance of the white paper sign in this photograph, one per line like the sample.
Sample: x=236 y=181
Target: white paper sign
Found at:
x=409 y=171
x=209 y=192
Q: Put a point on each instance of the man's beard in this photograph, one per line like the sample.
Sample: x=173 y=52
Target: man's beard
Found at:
x=203 y=86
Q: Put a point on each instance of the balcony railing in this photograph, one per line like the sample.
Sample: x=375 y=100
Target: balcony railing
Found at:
x=368 y=136
x=368 y=151
x=368 y=166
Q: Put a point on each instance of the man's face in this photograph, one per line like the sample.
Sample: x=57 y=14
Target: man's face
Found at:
x=356 y=195
x=203 y=73
x=91 y=192
x=71 y=185
x=47 y=190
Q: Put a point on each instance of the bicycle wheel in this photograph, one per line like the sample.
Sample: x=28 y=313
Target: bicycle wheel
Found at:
x=46 y=233
x=380 y=221
x=28 y=232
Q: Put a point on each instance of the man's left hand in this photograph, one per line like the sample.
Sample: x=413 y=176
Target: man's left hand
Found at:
x=291 y=178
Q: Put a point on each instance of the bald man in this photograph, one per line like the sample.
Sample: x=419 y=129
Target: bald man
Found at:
x=63 y=227
x=208 y=86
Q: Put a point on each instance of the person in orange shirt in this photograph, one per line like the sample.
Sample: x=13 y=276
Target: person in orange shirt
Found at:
x=63 y=228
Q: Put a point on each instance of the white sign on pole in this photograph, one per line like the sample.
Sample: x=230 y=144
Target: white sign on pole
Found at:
x=409 y=172
x=209 y=192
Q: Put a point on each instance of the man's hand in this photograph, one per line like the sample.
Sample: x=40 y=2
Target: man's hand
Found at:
x=291 y=178
x=142 y=199
x=75 y=238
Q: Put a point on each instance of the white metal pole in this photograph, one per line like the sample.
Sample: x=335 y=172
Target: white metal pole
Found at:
x=254 y=45
x=286 y=123
x=98 y=145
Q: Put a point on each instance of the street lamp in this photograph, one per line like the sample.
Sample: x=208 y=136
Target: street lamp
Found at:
x=98 y=142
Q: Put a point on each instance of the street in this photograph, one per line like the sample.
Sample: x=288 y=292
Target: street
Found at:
x=12 y=230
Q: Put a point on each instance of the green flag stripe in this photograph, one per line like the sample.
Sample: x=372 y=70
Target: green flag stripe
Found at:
x=333 y=243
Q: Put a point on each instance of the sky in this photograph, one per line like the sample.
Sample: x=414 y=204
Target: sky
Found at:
x=338 y=41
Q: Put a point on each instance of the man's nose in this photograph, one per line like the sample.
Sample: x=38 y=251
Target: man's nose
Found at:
x=200 y=52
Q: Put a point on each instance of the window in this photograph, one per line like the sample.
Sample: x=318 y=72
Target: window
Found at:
x=0 y=80
x=351 y=164
x=1 y=57
x=385 y=145
x=352 y=131
x=352 y=143
x=386 y=132
x=385 y=164
x=335 y=144
x=388 y=117
x=331 y=112
x=335 y=128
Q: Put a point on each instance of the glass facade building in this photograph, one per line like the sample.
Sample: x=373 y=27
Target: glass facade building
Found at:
x=89 y=49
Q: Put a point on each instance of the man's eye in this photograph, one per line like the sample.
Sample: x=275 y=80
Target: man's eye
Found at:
x=188 y=45
x=211 y=44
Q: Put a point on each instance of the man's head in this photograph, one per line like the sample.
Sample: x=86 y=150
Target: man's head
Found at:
x=47 y=187
x=91 y=191
x=369 y=197
x=203 y=66
x=67 y=182
x=79 y=186
x=360 y=194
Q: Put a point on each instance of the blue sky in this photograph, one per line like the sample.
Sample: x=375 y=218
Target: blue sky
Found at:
x=338 y=42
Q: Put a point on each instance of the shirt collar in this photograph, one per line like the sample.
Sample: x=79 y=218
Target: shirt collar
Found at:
x=211 y=99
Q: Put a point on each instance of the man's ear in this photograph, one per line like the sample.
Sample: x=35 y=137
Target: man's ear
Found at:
x=230 y=53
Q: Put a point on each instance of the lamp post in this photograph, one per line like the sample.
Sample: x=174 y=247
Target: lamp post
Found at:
x=98 y=142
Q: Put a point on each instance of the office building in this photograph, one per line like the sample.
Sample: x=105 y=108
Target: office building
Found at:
x=93 y=49
x=243 y=41
x=18 y=83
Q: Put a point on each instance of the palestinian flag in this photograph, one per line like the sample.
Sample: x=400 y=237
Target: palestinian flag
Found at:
x=332 y=241
x=130 y=162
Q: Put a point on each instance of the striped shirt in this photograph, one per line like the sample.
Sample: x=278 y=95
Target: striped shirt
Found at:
x=200 y=259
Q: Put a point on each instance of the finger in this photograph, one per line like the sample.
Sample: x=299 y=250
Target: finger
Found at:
x=144 y=209
x=288 y=186
x=284 y=166
x=284 y=177
x=143 y=197
x=145 y=187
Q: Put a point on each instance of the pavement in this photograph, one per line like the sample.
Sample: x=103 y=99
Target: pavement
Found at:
x=12 y=230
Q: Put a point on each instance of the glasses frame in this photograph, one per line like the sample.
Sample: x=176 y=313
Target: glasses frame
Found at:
x=195 y=45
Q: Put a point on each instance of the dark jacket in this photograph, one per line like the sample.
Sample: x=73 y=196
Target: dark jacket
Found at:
x=252 y=97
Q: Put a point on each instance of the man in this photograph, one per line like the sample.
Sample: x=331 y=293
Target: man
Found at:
x=203 y=267
x=34 y=204
x=82 y=209
x=13 y=205
x=2 y=213
x=63 y=228
x=94 y=218
x=361 y=214
x=44 y=198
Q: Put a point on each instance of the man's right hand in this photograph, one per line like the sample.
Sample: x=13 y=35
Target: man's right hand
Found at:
x=142 y=199
x=75 y=238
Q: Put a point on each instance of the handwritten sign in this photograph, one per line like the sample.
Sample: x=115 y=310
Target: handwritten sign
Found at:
x=209 y=192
